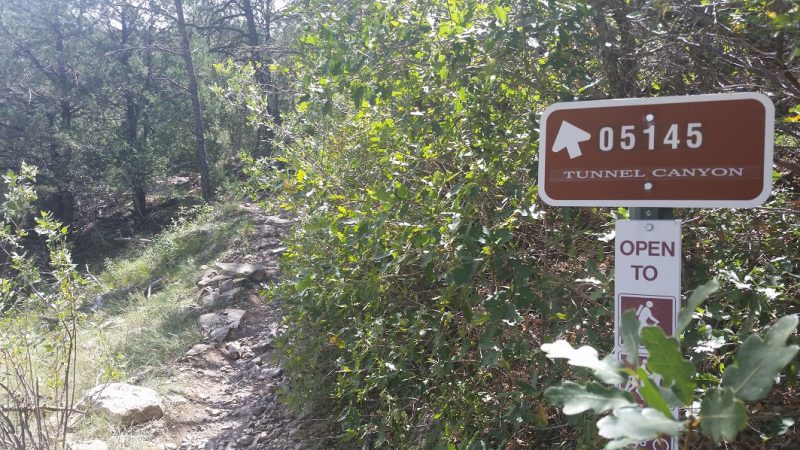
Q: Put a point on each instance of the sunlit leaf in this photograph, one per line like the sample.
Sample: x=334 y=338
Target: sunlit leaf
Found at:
x=606 y=370
x=575 y=398
x=759 y=361
x=633 y=424
x=629 y=331
x=722 y=416
x=667 y=361
x=699 y=295
x=651 y=394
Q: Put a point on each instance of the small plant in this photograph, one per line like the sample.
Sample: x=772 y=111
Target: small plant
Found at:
x=665 y=380
x=39 y=319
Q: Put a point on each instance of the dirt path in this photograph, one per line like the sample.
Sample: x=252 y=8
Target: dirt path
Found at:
x=225 y=395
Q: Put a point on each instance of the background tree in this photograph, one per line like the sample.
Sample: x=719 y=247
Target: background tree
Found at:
x=47 y=41
x=197 y=109
x=241 y=31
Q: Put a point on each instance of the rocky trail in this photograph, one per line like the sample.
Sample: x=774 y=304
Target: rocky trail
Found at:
x=224 y=394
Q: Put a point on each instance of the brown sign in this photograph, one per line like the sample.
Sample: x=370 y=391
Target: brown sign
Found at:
x=694 y=151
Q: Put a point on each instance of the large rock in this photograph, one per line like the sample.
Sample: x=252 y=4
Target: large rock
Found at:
x=208 y=297
x=218 y=335
x=95 y=444
x=254 y=272
x=228 y=317
x=218 y=325
x=278 y=220
x=228 y=296
x=212 y=278
x=198 y=349
x=225 y=286
x=125 y=404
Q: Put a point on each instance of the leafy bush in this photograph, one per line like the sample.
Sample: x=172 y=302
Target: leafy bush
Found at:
x=39 y=320
x=424 y=273
x=420 y=278
x=667 y=381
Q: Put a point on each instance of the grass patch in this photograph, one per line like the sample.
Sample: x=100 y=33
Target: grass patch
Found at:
x=132 y=335
x=193 y=239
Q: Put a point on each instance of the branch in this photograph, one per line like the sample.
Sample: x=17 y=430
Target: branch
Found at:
x=788 y=165
x=174 y=83
x=571 y=286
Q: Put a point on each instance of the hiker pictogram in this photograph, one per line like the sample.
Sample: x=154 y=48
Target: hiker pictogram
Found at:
x=651 y=311
x=645 y=315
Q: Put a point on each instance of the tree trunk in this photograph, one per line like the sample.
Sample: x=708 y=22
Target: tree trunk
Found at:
x=66 y=209
x=197 y=110
x=264 y=136
x=272 y=99
x=618 y=60
x=132 y=139
x=252 y=39
x=273 y=108
x=65 y=212
x=131 y=128
x=139 y=198
x=262 y=139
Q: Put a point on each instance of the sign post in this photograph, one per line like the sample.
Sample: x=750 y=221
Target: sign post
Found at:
x=653 y=154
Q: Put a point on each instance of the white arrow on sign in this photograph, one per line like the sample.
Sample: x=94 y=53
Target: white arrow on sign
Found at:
x=569 y=136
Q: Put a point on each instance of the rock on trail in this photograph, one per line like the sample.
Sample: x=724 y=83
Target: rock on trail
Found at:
x=255 y=272
x=218 y=325
x=125 y=404
x=94 y=444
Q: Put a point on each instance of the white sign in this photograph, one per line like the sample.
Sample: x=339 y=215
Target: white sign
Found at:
x=632 y=386
x=647 y=273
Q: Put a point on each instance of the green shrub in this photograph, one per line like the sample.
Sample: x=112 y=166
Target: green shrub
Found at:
x=424 y=273
x=39 y=319
x=665 y=381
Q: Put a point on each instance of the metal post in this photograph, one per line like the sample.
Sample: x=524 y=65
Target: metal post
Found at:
x=651 y=213
x=669 y=292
